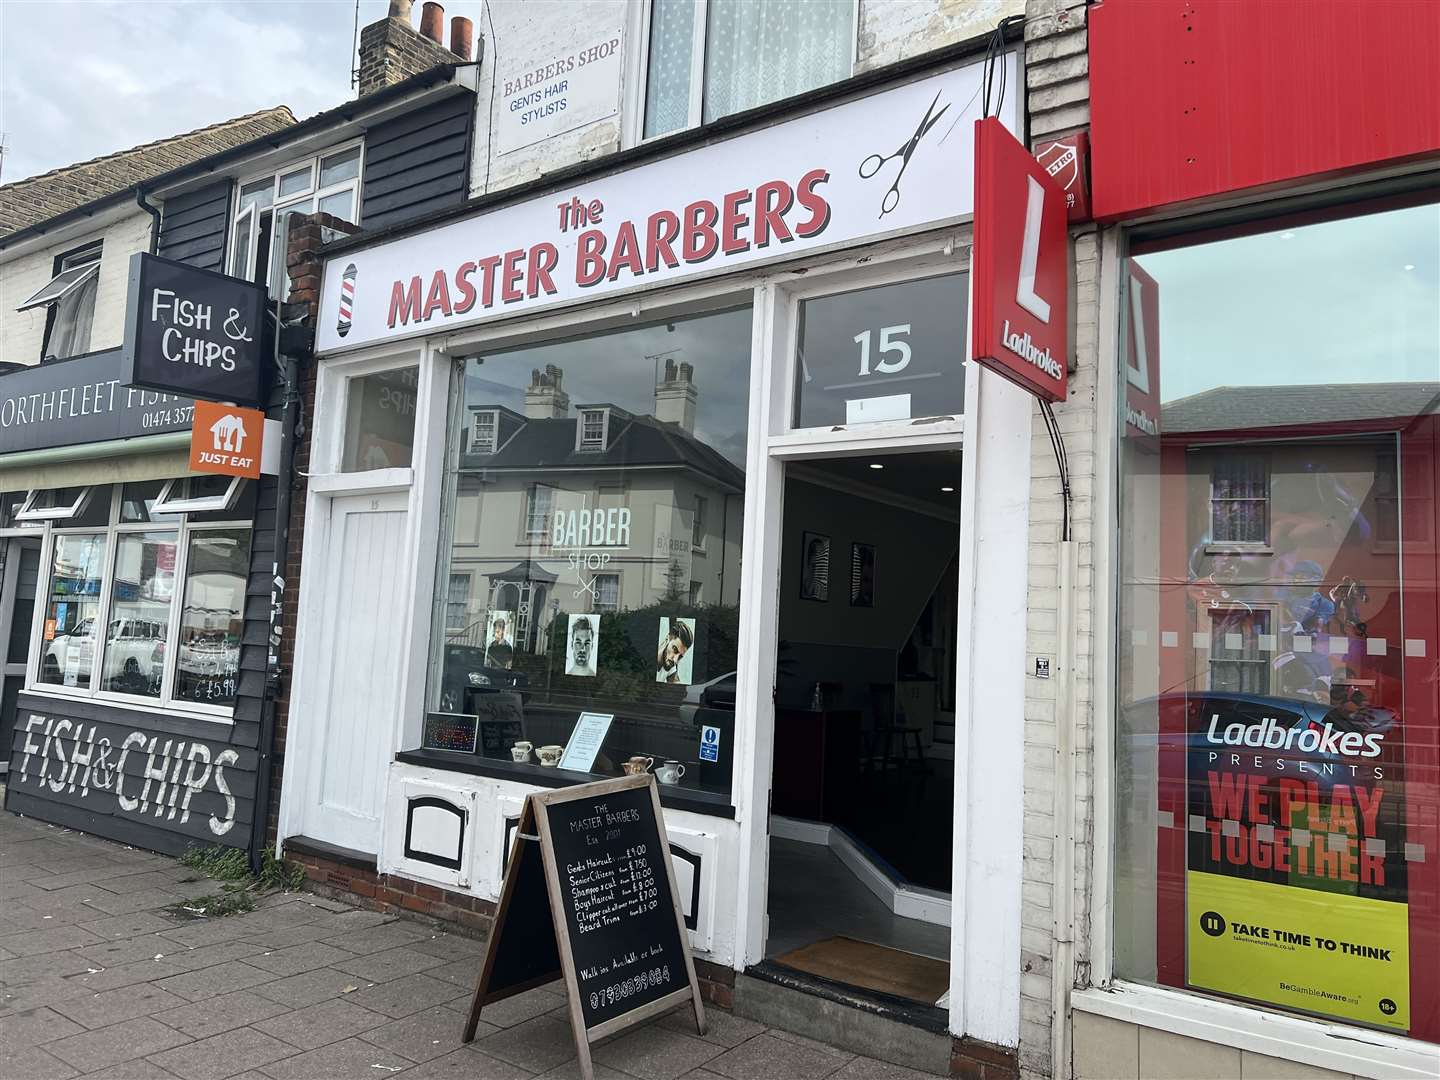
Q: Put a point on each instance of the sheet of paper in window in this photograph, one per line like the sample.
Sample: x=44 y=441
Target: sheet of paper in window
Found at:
x=585 y=741
x=875 y=409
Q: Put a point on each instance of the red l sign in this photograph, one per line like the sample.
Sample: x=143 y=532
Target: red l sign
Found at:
x=1018 y=266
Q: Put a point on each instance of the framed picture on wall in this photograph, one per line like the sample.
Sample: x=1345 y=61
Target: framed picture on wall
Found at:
x=862 y=575
x=814 y=567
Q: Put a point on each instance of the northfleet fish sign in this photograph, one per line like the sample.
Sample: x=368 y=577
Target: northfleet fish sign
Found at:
x=890 y=163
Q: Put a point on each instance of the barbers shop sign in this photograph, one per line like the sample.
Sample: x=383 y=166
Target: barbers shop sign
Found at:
x=193 y=332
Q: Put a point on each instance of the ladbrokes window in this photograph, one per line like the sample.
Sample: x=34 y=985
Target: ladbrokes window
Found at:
x=1277 y=731
x=590 y=605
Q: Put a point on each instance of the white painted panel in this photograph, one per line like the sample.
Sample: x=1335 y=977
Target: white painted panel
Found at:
x=363 y=669
x=436 y=831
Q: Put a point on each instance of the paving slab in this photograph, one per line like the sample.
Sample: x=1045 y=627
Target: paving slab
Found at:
x=96 y=1050
x=401 y=997
x=212 y=981
x=212 y=1016
x=538 y=1045
x=35 y=1027
x=224 y=1055
x=470 y=1064
x=653 y=1052
x=310 y=988
x=113 y=1006
x=34 y=1063
x=295 y=959
x=322 y=1024
x=390 y=964
x=349 y=1059
x=426 y=1035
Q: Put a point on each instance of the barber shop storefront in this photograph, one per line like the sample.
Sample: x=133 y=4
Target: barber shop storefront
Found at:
x=135 y=632
x=674 y=469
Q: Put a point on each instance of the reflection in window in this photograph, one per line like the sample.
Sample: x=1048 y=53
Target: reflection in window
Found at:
x=142 y=587
x=1277 y=725
x=579 y=470
x=212 y=614
x=380 y=421
x=1239 y=499
x=72 y=610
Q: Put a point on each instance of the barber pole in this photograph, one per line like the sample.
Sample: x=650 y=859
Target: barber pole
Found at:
x=347 y=300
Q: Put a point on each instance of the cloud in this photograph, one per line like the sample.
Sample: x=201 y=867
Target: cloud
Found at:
x=82 y=79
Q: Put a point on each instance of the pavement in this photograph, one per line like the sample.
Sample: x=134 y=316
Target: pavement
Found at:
x=99 y=979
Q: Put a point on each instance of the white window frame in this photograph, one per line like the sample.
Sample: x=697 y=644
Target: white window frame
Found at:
x=169 y=501
x=528 y=535
x=587 y=446
x=469 y=577
x=312 y=195
x=637 y=84
x=611 y=574
x=44 y=297
x=30 y=512
x=493 y=444
x=182 y=529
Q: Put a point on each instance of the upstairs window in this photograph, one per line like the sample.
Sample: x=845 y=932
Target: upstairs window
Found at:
x=1240 y=499
x=710 y=58
x=70 y=299
x=483 y=430
x=592 y=430
x=328 y=183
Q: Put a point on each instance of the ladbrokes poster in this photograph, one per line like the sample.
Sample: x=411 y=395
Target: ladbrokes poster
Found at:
x=1295 y=881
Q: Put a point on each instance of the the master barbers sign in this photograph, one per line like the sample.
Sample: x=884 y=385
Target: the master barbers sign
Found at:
x=193 y=332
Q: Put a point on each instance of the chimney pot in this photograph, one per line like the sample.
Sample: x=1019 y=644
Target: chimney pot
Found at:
x=400 y=9
x=462 y=36
x=432 y=22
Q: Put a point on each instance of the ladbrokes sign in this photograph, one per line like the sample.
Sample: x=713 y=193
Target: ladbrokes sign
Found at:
x=889 y=163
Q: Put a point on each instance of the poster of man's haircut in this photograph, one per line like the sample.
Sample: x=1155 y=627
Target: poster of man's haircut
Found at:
x=500 y=639
x=582 y=645
x=675 y=659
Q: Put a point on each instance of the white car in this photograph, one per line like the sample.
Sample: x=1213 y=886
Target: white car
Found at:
x=134 y=658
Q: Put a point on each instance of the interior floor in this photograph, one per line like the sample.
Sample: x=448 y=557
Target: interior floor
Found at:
x=814 y=896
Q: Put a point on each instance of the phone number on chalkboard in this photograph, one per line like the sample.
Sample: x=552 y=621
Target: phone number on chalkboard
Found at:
x=658 y=976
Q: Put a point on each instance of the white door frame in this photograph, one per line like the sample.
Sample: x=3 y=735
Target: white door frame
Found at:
x=420 y=484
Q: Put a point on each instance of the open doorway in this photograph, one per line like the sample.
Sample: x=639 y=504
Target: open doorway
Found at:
x=863 y=783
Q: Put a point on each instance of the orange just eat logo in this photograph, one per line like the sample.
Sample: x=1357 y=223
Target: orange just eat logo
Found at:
x=226 y=439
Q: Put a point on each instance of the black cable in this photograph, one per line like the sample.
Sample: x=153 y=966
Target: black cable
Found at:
x=1062 y=462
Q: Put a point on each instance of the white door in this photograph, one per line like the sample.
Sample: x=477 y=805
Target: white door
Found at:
x=359 y=661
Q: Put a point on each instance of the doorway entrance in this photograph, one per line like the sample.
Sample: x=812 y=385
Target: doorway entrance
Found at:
x=864 y=752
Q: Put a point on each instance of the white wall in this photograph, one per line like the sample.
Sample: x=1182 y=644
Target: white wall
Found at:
x=22 y=333
x=526 y=37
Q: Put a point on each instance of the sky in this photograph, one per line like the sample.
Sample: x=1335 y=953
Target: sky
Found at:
x=82 y=78
x=1350 y=301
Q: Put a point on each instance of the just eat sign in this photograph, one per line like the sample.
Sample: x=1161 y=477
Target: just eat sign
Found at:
x=1019 y=266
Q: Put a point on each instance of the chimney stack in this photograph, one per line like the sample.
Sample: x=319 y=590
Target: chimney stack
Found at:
x=462 y=37
x=391 y=50
x=544 y=398
x=675 y=395
x=432 y=22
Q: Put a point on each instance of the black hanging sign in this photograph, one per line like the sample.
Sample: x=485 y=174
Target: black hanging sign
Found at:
x=614 y=929
x=193 y=332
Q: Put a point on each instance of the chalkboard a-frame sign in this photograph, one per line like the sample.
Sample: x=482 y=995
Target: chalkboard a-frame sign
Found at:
x=589 y=895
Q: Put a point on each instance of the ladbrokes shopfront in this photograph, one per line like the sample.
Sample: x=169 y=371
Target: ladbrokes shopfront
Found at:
x=675 y=467
x=1272 y=869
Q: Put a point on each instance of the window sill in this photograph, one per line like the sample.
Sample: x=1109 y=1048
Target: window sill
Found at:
x=672 y=796
x=1339 y=1047
x=104 y=701
x=1239 y=549
x=366 y=482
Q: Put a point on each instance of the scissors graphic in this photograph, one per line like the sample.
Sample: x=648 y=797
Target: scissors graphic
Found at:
x=871 y=165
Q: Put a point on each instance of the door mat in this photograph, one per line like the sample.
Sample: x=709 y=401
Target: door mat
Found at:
x=872 y=967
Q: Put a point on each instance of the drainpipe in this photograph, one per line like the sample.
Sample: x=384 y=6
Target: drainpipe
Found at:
x=154 y=213
x=286 y=361
x=1062 y=960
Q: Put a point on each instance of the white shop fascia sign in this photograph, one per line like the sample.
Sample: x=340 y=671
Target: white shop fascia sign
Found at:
x=761 y=197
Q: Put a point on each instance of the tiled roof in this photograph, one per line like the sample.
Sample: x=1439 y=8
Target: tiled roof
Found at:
x=38 y=198
x=1237 y=407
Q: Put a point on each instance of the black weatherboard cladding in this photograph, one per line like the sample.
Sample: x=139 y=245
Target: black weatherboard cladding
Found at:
x=418 y=163
x=193 y=226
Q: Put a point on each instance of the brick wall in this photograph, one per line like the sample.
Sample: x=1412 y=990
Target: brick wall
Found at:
x=1057 y=91
x=392 y=50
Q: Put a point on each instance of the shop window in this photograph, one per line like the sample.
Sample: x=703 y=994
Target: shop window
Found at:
x=893 y=352
x=584 y=586
x=118 y=624
x=69 y=300
x=1240 y=500
x=1276 y=734
x=711 y=58
x=380 y=421
x=329 y=182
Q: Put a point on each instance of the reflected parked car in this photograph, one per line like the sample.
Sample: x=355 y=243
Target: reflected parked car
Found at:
x=134 y=655
x=465 y=668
